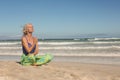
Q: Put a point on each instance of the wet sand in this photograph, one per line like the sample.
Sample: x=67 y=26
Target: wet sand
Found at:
x=11 y=70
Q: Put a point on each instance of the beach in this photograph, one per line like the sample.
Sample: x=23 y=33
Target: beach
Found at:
x=60 y=40
x=73 y=60
x=11 y=70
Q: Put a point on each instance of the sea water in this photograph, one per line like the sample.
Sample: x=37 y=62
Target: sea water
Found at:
x=84 y=50
x=67 y=47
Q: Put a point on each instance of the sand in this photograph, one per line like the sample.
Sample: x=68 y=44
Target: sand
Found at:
x=11 y=70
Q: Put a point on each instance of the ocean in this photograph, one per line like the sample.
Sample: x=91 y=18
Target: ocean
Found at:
x=67 y=47
x=84 y=50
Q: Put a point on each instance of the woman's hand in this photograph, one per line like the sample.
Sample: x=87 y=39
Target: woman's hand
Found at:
x=35 y=40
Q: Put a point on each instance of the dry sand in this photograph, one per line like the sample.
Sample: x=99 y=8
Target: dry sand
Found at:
x=10 y=70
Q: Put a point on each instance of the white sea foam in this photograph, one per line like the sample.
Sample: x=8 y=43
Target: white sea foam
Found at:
x=62 y=43
x=9 y=43
x=59 y=43
x=67 y=48
x=69 y=43
x=106 y=39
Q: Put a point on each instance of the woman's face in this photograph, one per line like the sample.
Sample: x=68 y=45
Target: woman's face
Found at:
x=30 y=28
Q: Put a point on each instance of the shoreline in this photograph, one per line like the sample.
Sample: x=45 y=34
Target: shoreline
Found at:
x=80 y=59
x=71 y=54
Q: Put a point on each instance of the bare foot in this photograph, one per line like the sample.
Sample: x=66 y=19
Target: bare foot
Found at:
x=34 y=64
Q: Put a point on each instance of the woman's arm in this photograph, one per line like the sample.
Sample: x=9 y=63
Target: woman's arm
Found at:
x=25 y=44
x=37 y=48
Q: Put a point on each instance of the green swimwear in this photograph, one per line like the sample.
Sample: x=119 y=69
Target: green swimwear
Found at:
x=37 y=59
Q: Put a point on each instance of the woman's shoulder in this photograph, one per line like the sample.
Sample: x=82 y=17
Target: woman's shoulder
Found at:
x=23 y=38
x=35 y=38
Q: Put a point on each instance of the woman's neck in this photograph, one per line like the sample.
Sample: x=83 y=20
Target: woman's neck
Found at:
x=29 y=36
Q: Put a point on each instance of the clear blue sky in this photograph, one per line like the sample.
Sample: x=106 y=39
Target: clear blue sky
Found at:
x=60 y=18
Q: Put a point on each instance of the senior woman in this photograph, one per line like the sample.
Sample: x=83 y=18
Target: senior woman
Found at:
x=30 y=48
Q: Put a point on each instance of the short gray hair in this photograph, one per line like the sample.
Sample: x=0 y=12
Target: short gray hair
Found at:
x=25 y=28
